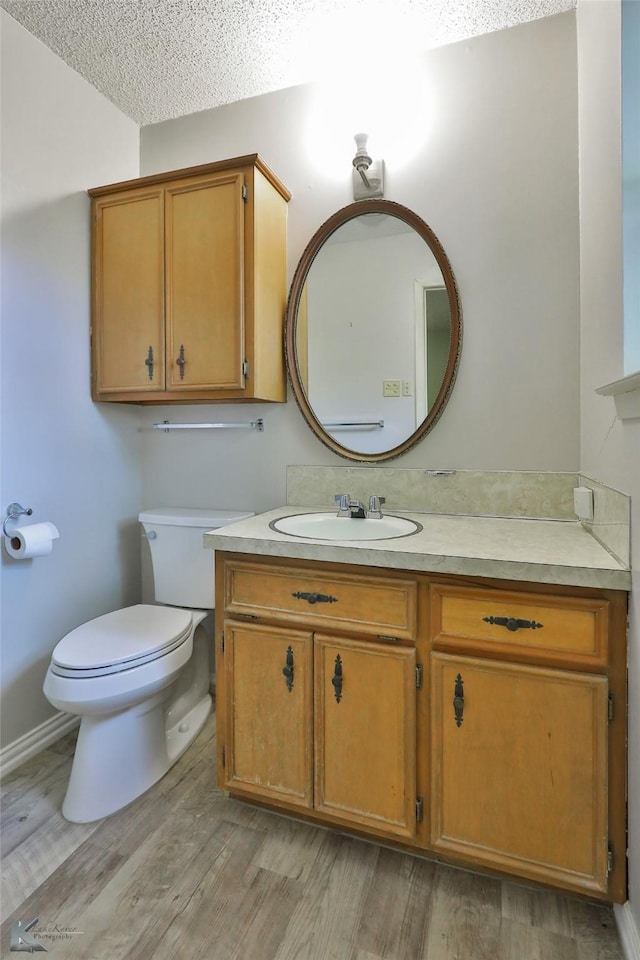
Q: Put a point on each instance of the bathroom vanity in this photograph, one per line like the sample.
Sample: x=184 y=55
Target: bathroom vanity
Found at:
x=460 y=692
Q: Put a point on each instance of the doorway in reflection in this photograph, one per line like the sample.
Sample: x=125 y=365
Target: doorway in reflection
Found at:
x=433 y=341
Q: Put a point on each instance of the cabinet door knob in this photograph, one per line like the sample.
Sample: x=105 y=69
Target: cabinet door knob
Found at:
x=287 y=670
x=458 y=700
x=180 y=362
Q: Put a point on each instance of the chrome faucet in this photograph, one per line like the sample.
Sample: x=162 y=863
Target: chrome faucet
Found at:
x=356 y=509
x=375 y=504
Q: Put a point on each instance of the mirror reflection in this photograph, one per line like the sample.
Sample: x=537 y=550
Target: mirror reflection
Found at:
x=373 y=330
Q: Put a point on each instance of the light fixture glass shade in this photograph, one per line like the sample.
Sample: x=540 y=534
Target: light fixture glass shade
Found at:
x=368 y=174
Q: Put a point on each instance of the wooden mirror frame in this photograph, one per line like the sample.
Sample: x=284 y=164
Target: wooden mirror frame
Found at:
x=343 y=216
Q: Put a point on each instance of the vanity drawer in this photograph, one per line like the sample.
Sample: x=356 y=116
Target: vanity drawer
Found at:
x=548 y=627
x=363 y=604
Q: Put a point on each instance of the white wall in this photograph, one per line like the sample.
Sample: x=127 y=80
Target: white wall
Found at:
x=609 y=448
x=631 y=182
x=74 y=463
x=497 y=181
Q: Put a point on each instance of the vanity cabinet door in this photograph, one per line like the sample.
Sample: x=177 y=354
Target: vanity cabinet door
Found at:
x=365 y=732
x=519 y=769
x=268 y=682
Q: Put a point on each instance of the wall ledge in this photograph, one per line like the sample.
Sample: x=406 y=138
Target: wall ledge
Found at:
x=626 y=396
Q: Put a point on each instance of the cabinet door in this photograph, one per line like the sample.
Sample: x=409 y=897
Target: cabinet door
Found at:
x=128 y=292
x=519 y=769
x=365 y=723
x=268 y=675
x=205 y=284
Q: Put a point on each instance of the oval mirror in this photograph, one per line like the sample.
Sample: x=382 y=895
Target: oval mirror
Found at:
x=373 y=331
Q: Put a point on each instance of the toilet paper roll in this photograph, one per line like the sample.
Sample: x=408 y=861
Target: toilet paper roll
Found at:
x=35 y=540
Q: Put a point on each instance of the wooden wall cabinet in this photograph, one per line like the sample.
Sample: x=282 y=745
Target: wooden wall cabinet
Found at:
x=189 y=285
x=366 y=698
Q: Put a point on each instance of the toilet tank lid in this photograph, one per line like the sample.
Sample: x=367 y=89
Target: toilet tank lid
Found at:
x=206 y=517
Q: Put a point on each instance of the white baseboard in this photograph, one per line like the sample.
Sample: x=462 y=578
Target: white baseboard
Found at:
x=15 y=754
x=629 y=936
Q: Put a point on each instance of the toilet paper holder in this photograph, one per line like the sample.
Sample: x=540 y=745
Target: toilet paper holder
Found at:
x=14 y=510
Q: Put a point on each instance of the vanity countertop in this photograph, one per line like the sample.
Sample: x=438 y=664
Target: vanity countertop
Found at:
x=539 y=551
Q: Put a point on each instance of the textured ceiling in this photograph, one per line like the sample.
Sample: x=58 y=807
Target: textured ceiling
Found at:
x=160 y=59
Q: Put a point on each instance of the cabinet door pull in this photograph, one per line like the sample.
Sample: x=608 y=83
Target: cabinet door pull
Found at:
x=336 y=679
x=287 y=670
x=149 y=363
x=513 y=624
x=458 y=700
x=314 y=597
x=180 y=362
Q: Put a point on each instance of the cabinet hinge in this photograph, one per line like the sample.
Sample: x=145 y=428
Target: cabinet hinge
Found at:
x=222 y=642
x=245 y=368
x=419 y=674
x=224 y=757
x=611 y=707
x=610 y=859
x=245 y=192
x=419 y=809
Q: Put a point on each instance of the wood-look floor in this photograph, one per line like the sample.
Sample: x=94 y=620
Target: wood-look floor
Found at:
x=185 y=872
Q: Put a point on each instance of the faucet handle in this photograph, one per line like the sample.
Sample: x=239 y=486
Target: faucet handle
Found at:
x=342 y=499
x=375 y=504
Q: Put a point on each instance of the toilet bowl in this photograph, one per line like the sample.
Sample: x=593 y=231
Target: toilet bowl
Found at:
x=138 y=678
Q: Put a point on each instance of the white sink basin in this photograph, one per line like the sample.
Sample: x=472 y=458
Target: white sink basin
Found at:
x=327 y=526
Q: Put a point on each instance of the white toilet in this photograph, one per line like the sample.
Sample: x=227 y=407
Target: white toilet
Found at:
x=139 y=677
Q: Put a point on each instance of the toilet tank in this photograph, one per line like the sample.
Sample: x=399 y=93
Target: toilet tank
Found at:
x=183 y=569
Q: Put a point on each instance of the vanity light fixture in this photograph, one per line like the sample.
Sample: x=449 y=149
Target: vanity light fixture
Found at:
x=368 y=174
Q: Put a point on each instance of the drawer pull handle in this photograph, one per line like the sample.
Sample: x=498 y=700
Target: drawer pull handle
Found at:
x=287 y=670
x=336 y=679
x=511 y=623
x=314 y=597
x=458 y=700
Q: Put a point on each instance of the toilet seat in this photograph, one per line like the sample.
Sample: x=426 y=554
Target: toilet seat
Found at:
x=121 y=640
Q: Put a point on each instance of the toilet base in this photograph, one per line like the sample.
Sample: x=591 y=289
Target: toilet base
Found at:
x=118 y=757
x=180 y=736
